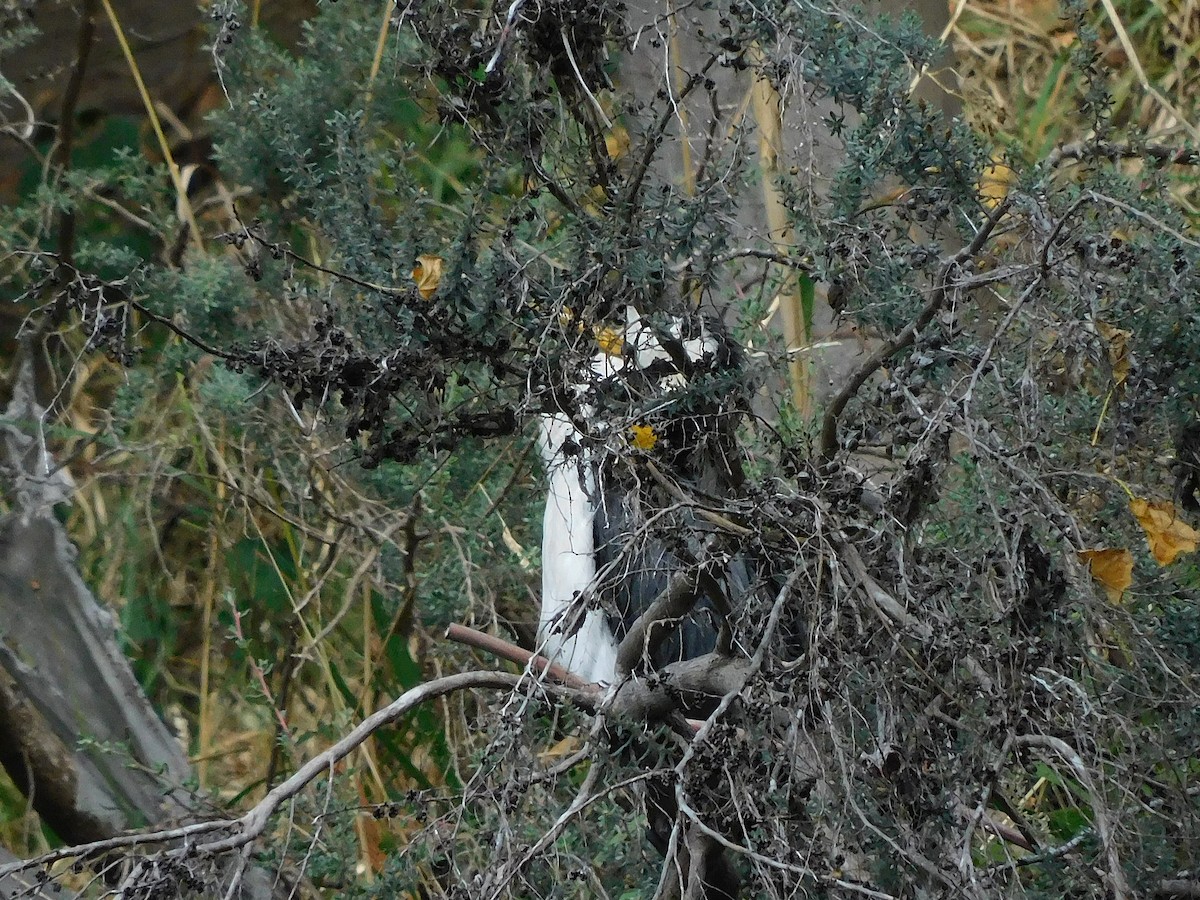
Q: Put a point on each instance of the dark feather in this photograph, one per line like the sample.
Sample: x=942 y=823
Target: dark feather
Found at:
x=639 y=567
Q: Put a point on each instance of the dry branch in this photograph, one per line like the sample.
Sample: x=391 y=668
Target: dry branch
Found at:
x=247 y=829
x=943 y=284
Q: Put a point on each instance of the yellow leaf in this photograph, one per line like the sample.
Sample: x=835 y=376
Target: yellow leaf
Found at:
x=1118 y=349
x=616 y=142
x=644 y=437
x=993 y=184
x=610 y=339
x=563 y=748
x=428 y=274
x=567 y=319
x=594 y=200
x=1168 y=534
x=1112 y=568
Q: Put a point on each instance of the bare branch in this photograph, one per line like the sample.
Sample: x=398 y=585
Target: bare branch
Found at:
x=943 y=282
x=503 y=649
x=655 y=624
x=1175 y=156
x=246 y=830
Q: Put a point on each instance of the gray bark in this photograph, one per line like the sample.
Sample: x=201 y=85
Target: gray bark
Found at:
x=674 y=40
x=77 y=734
x=63 y=677
x=26 y=885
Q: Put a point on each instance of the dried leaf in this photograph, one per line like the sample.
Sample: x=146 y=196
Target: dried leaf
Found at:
x=564 y=748
x=514 y=545
x=617 y=142
x=1168 y=534
x=994 y=183
x=643 y=436
x=428 y=274
x=1118 y=349
x=1112 y=568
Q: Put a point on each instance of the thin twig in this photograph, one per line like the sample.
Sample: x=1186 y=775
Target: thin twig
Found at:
x=66 y=125
x=324 y=270
x=579 y=75
x=1104 y=828
x=152 y=114
x=654 y=137
x=828 y=444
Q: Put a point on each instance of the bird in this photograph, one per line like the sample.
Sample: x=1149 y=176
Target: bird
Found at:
x=602 y=564
x=594 y=545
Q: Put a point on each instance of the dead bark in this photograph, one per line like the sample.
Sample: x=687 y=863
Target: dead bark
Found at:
x=77 y=735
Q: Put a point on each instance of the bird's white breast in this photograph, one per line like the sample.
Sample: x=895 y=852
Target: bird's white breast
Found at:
x=568 y=536
x=569 y=558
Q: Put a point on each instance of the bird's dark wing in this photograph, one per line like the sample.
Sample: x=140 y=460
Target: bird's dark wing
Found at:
x=636 y=566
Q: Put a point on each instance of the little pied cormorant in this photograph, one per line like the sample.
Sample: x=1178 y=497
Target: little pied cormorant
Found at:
x=600 y=568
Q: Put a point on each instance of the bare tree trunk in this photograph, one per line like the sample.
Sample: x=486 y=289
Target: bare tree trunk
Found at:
x=790 y=141
x=77 y=735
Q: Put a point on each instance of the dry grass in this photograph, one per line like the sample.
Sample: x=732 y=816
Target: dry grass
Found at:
x=1018 y=84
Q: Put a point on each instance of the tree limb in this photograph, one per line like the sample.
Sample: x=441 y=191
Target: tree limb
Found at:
x=503 y=649
x=244 y=831
x=828 y=443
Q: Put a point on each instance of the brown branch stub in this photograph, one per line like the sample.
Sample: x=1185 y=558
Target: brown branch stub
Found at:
x=503 y=649
x=713 y=675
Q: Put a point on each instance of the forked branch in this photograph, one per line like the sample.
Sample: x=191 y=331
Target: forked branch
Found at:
x=943 y=284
